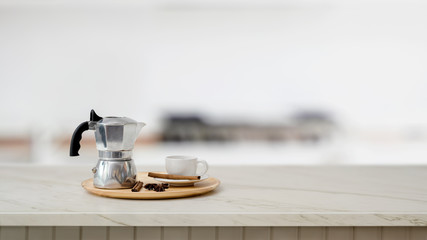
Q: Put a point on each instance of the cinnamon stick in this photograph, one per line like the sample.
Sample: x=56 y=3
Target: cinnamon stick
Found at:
x=137 y=187
x=172 y=176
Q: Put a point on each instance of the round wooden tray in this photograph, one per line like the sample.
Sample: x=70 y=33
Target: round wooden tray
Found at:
x=199 y=188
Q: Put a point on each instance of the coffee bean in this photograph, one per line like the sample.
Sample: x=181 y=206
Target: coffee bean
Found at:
x=156 y=187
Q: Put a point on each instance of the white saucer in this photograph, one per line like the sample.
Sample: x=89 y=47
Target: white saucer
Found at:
x=181 y=182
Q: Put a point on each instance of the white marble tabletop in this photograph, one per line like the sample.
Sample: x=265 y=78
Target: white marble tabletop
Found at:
x=248 y=196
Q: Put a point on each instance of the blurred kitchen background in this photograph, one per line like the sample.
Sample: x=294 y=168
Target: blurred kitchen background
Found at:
x=233 y=82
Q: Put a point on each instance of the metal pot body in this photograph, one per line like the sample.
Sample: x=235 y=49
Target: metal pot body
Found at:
x=115 y=138
x=116 y=133
x=114 y=174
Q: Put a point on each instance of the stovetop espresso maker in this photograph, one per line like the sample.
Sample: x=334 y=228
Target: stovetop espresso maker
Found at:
x=115 y=138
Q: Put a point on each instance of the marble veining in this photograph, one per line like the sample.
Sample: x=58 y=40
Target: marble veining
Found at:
x=248 y=196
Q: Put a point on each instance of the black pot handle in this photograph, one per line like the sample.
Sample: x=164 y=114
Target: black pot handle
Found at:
x=77 y=136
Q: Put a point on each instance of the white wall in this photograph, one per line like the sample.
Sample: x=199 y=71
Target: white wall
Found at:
x=364 y=62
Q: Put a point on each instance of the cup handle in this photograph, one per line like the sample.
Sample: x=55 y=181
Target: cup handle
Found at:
x=205 y=167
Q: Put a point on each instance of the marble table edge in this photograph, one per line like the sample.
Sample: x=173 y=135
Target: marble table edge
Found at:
x=213 y=219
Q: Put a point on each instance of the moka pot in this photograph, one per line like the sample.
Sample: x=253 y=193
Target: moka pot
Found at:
x=115 y=138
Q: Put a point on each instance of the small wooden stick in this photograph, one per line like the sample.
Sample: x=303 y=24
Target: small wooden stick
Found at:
x=137 y=187
x=172 y=176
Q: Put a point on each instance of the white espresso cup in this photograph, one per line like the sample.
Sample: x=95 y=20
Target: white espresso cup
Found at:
x=186 y=166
